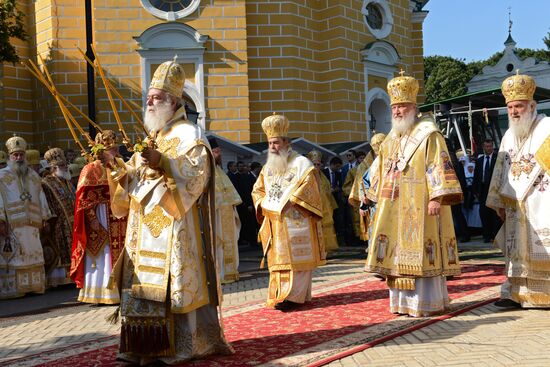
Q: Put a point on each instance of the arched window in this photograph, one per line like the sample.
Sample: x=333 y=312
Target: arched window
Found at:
x=170 y=9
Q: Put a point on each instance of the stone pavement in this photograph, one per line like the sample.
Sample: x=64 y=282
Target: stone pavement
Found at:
x=484 y=336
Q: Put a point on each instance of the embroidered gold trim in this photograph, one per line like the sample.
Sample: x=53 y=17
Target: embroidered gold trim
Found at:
x=169 y=147
x=152 y=254
x=156 y=221
x=150 y=269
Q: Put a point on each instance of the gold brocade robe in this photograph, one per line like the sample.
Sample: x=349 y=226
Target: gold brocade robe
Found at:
x=167 y=267
x=23 y=207
x=355 y=198
x=521 y=185
x=290 y=210
x=228 y=227
x=329 y=205
x=407 y=242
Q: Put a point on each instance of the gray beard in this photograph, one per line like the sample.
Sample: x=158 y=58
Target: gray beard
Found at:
x=278 y=163
x=63 y=174
x=520 y=127
x=155 y=120
x=402 y=125
x=20 y=168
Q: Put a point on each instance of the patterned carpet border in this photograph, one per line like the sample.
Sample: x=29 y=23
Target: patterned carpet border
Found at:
x=344 y=317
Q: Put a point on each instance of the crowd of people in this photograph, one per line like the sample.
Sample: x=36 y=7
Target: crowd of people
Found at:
x=158 y=233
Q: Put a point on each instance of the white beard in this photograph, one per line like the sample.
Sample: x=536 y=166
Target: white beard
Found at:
x=278 y=163
x=157 y=119
x=63 y=174
x=521 y=125
x=20 y=168
x=403 y=124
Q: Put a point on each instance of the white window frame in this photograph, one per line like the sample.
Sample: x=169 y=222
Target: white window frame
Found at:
x=161 y=43
x=387 y=18
x=170 y=15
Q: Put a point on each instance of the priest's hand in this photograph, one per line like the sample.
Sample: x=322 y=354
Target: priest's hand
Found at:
x=434 y=207
x=502 y=214
x=151 y=157
x=3 y=228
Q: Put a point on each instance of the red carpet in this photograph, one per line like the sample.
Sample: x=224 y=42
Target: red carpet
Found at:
x=261 y=336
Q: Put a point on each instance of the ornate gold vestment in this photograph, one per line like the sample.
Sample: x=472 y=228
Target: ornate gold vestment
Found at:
x=329 y=204
x=355 y=197
x=406 y=241
x=290 y=210
x=23 y=207
x=168 y=263
x=227 y=231
x=521 y=185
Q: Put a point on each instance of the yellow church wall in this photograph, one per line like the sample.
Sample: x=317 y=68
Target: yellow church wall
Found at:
x=225 y=58
x=311 y=52
x=296 y=57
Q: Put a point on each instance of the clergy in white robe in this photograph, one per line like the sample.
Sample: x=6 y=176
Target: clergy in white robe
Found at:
x=167 y=272
x=228 y=224
x=23 y=212
x=520 y=194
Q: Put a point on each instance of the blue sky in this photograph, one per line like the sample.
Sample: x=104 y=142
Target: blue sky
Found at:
x=476 y=29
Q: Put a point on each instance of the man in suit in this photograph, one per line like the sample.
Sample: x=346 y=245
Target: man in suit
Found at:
x=351 y=156
x=482 y=178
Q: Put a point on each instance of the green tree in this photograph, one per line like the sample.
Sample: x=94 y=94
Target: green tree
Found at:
x=445 y=77
x=11 y=26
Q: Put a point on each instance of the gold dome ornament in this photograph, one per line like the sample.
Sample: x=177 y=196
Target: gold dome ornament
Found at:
x=32 y=156
x=275 y=126
x=518 y=88
x=16 y=144
x=55 y=157
x=169 y=77
x=315 y=155
x=403 y=89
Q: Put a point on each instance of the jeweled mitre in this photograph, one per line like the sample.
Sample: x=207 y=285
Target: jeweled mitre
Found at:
x=403 y=89
x=32 y=156
x=315 y=155
x=169 y=77
x=55 y=157
x=275 y=126
x=518 y=88
x=16 y=144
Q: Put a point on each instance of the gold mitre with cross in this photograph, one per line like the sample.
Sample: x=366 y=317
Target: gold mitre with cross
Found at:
x=32 y=156
x=275 y=126
x=55 y=157
x=16 y=144
x=403 y=89
x=518 y=88
x=315 y=155
x=169 y=77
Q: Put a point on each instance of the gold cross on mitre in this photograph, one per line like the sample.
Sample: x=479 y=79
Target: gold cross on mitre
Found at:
x=402 y=72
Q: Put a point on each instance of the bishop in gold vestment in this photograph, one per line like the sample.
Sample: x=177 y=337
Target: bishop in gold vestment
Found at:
x=288 y=204
x=327 y=200
x=413 y=243
x=228 y=223
x=167 y=270
x=520 y=193
x=356 y=196
x=23 y=212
